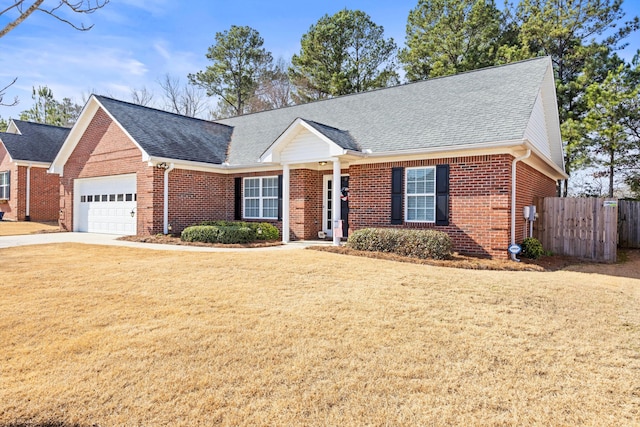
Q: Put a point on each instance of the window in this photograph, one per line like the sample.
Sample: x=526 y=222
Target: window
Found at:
x=420 y=202
x=5 y=185
x=261 y=197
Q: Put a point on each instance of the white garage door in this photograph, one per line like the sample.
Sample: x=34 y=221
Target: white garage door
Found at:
x=106 y=205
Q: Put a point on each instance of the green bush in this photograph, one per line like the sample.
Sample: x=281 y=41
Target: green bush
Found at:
x=262 y=230
x=532 y=248
x=200 y=233
x=412 y=243
x=235 y=234
x=216 y=234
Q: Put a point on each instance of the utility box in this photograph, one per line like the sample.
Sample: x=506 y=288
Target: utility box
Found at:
x=529 y=213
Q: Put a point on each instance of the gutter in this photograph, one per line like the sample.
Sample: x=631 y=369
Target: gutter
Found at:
x=27 y=216
x=167 y=169
x=513 y=199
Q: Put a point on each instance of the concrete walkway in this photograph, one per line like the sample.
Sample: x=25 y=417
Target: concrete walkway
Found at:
x=111 y=240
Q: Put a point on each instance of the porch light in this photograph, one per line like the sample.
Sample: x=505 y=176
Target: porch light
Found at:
x=322 y=163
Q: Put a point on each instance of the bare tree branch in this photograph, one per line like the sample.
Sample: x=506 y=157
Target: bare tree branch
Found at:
x=78 y=6
x=2 y=92
x=141 y=96
x=186 y=100
x=81 y=7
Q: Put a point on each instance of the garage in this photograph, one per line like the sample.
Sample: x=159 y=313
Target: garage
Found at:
x=106 y=205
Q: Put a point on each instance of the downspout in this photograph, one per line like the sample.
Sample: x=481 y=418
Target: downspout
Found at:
x=27 y=216
x=166 y=198
x=513 y=199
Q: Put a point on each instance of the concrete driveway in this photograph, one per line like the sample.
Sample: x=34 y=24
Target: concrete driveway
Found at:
x=112 y=240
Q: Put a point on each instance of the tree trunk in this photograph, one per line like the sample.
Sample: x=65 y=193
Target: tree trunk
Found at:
x=611 y=170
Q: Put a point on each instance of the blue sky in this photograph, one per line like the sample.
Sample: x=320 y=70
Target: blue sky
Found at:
x=134 y=43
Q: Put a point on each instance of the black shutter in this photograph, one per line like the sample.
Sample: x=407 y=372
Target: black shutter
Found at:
x=279 y=197
x=397 y=175
x=237 y=215
x=442 y=195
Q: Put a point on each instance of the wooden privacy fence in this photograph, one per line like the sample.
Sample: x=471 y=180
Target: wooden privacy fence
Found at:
x=581 y=227
x=628 y=224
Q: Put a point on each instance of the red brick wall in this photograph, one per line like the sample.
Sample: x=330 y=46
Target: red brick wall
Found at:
x=45 y=200
x=305 y=203
x=479 y=206
x=197 y=196
x=530 y=183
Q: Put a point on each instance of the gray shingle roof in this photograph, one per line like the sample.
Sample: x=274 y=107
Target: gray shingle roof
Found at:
x=164 y=134
x=340 y=137
x=482 y=106
x=36 y=142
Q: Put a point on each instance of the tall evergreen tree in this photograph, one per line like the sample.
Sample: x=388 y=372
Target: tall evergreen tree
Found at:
x=450 y=36
x=341 y=54
x=46 y=109
x=579 y=36
x=610 y=139
x=239 y=60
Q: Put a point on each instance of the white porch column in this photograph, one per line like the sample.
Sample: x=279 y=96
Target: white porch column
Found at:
x=285 y=203
x=335 y=202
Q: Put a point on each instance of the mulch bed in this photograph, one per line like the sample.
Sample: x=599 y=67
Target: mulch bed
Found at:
x=546 y=263
x=173 y=240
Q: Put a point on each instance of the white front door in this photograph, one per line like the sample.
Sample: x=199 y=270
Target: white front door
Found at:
x=106 y=205
x=327 y=204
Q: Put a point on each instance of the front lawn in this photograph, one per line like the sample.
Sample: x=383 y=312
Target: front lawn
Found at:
x=15 y=228
x=113 y=336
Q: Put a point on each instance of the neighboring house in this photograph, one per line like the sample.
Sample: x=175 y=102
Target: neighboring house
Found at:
x=27 y=191
x=437 y=154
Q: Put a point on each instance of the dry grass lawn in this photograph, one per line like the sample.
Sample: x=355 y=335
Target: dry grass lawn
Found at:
x=108 y=336
x=15 y=228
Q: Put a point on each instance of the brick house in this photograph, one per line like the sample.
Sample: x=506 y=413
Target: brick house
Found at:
x=27 y=191
x=462 y=154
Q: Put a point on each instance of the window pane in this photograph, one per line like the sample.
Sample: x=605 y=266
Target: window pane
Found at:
x=89 y=198
x=128 y=197
x=252 y=187
x=270 y=187
x=421 y=208
x=252 y=208
x=270 y=208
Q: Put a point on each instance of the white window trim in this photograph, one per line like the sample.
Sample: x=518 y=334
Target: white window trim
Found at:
x=261 y=198
x=406 y=195
x=5 y=193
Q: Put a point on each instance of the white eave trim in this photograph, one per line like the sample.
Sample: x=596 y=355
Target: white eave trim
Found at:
x=448 y=148
x=27 y=163
x=224 y=168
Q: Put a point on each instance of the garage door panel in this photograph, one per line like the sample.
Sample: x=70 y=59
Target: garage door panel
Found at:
x=105 y=204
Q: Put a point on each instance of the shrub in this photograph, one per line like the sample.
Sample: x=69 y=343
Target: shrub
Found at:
x=532 y=248
x=262 y=230
x=412 y=243
x=200 y=233
x=235 y=234
x=217 y=234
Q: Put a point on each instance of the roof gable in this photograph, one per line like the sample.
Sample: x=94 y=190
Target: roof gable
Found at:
x=157 y=133
x=305 y=141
